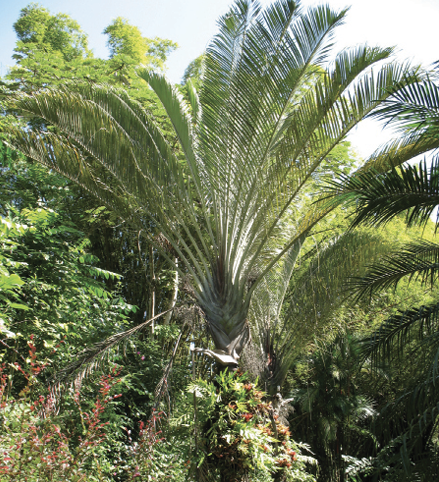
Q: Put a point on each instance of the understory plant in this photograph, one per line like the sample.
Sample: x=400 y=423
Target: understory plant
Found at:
x=39 y=442
x=237 y=434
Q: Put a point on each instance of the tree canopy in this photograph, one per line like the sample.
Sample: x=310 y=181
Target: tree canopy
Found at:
x=125 y=40
x=58 y=33
x=52 y=48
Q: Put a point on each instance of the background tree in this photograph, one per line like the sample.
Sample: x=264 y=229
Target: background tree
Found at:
x=52 y=49
x=111 y=242
x=59 y=32
x=194 y=72
x=48 y=47
x=126 y=40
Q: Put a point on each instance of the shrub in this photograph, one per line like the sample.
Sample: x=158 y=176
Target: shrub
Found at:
x=36 y=445
x=240 y=434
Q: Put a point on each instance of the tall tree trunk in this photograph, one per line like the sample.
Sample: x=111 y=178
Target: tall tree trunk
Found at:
x=174 y=296
x=152 y=298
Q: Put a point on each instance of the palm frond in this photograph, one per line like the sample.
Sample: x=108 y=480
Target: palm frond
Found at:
x=118 y=150
x=162 y=386
x=381 y=197
x=316 y=290
x=194 y=102
x=400 y=330
x=413 y=107
x=91 y=357
x=414 y=260
x=323 y=283
x=398 y=151
x=414 y=415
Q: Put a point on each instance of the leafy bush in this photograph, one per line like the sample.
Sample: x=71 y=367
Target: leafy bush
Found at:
x=38 y=445
x=240 y=435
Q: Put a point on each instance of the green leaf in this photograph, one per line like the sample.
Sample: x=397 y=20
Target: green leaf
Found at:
x=10 y=281
x=19 y=306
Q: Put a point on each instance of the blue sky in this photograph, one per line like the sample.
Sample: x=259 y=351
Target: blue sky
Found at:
x=190 y=23
x=411 y=25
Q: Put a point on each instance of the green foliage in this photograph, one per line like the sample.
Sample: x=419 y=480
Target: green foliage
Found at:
x=194 y=72
x=57 y=33
x=10 y=282
x=408 y=421
x=86 y=441
x=222 y=198
x=52 y=49
x=225 y=197
x=331 y=408
x=55 y=276
x=239 y=434
x=125 y=40
x=59 y=291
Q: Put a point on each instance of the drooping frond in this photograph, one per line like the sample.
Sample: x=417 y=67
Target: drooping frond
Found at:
x=380 y=197
x=413 y=108
x=414 y=260
x=399 y=331
x=162 y=388
x=398 y=151
x=414 y=334
x=91 y=357
x=323 y=283
x=114 y=150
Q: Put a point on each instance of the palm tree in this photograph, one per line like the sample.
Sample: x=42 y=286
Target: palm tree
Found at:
x=293 y=305
x=330 y=408
x=270 y=109
x=381 y=191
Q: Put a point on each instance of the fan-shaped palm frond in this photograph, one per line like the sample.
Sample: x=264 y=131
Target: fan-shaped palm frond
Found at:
x=269 y=111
